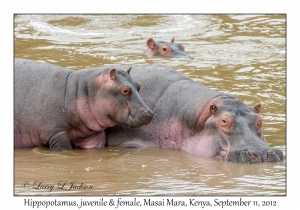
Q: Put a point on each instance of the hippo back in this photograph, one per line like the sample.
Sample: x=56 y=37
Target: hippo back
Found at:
x=154 y=82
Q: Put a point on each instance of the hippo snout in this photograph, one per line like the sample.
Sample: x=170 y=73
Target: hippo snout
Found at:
x=247 y=156
x=272 y=155
x=143 y=117
x=146 y=116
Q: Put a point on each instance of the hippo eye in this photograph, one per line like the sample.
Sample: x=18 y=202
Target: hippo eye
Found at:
x=125 y=91
x=165 y=50
x=223 y=121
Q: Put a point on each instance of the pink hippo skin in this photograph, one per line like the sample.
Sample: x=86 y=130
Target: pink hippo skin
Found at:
x=166 y=49
x=191 y=117
x=61 y=108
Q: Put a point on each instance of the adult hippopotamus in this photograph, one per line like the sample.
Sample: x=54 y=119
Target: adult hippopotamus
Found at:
x=166 y=49
x=62 y=108
x=191 y=117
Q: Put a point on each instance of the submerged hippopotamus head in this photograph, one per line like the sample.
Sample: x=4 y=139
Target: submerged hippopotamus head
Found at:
x=234 y=131
x=166 y=49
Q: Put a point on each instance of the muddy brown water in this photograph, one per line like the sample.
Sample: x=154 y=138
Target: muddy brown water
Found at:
x=243 y=55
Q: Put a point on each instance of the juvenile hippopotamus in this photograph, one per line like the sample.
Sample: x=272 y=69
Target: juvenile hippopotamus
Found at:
x=166 y=49
x=191 y=117
x=61 y=108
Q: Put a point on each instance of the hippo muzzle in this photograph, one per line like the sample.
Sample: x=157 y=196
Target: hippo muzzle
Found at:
x=245 y=156
x=143 y=118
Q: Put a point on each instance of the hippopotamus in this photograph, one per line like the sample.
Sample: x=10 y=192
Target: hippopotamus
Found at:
x=62 y=108
x=166 y=49
x=193 y=118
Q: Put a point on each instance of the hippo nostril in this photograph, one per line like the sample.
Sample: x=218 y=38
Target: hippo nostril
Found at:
x=279 y=153
x=150 y=113
x=270 y=155
x=164 y=49
x=147 y=114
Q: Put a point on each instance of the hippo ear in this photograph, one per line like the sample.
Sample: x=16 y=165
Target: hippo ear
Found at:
x=151 y=43
x=213 y=109
x=257 y=108
x=128 y=71
x=172 y=39
x=113 y=74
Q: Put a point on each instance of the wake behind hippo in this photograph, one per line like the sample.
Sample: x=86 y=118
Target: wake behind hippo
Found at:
x=191 y=117
x=61 y=108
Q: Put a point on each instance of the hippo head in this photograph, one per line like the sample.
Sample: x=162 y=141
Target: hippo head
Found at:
x=232 y=131
x=166 y=49
x=117 y=100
